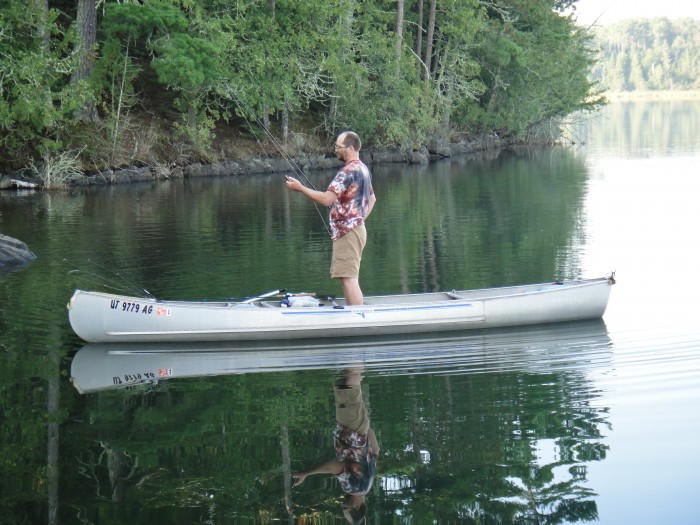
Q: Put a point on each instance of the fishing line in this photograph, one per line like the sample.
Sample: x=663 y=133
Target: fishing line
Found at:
x=117 y=283
x=296 y=169
x=292 y=164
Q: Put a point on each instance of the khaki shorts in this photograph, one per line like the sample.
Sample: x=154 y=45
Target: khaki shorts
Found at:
x=347 y=253
x=350 y=410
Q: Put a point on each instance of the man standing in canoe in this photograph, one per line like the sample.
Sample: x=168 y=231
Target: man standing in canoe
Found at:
x=351 y=198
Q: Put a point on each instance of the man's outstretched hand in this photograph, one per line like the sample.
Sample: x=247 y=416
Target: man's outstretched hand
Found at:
x=299 y=478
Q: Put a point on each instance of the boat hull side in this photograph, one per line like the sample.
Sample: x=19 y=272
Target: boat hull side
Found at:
x=97 y=317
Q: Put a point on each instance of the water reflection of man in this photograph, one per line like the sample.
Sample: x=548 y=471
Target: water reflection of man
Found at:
x=356 y=448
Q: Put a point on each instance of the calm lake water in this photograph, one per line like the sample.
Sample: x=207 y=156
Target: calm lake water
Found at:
x=594 y=422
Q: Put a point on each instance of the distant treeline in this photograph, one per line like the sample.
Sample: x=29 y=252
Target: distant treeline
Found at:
x=649 y=54
x=115 y=82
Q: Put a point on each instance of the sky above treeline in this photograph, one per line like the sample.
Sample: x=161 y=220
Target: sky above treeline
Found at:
x=611 y=11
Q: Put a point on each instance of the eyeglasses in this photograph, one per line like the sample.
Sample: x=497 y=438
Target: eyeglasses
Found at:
x=340 y=147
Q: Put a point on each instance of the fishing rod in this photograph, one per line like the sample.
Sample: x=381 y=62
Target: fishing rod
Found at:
x=296 y=169
x=292 y=164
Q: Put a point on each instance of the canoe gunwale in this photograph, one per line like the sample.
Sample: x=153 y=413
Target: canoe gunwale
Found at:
x=375 y=301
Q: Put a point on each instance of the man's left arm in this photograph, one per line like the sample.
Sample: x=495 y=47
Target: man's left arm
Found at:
x=370 y=205
x=373 y=442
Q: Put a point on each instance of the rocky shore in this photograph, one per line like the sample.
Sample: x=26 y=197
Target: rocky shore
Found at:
x=260 y=165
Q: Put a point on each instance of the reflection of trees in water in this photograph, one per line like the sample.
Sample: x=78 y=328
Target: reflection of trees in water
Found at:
x=645 y=128
x=481 y=451
x=478 y=221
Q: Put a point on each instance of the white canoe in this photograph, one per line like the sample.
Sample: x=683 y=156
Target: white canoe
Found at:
x=101 y=317
x=549 y=348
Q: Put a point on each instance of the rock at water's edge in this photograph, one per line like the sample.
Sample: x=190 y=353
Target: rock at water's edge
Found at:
x=14 y=252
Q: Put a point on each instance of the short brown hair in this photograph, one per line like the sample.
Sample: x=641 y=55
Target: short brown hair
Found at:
x=352 y=139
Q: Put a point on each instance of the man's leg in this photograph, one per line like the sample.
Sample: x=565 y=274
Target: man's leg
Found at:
x=352 y=291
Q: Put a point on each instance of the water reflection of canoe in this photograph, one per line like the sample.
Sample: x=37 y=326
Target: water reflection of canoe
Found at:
x=100 y=317
x=544 y=348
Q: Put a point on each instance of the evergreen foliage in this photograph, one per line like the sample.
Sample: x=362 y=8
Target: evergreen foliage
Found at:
x=319 y=65
x=649 y=54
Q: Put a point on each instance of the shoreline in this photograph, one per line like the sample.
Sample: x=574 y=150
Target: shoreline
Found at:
x=641 y=96
x=258 y=165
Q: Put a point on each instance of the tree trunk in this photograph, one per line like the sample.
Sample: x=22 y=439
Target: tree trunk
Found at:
x=429 y=40
x=285 y=124
x=191 y=117
x=87 y=37
x=271 y=5
x=42 y=8
x=266 y=116
x=495 y=92
x=399 y=30
x=346 y=13
x=419 y=33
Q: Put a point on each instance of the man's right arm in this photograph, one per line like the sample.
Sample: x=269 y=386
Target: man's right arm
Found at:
x=324 y=198
x=333 y=466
